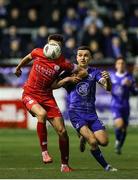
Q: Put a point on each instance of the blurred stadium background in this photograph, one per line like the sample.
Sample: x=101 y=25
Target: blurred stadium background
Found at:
x=108 y=27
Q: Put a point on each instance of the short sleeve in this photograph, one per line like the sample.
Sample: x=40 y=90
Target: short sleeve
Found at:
x=98 y=75
x=68 y=66
x=34 y=52
x=133 y=87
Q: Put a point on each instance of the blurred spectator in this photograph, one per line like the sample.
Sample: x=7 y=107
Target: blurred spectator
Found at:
x=41 y=38
x=6 y=40
x=93 y=26
x=69 y=49
x=82 y=8
x=14 y=17
x=3 y=23
x=91 y=33
x=133 y=22
x=32 y=20
x=116 y=50
x=55 y=20
x=126 y=43
x=15 y=49
x=3 y=9
x=106 y=41
x=93 y=18
x=117 y=19
x=68 y=31
x=96 y=53
x=72 y=19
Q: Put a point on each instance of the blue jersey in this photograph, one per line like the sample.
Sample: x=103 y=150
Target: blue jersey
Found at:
x=120 y=91
x=81 y=97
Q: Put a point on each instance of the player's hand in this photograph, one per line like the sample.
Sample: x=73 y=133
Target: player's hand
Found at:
x=105 y=75
x=127 y=82
x=18 y=72
x=73 y=79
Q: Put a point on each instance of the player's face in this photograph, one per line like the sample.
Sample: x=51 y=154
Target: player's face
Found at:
x=54 y=42
x=83 y=58
x=120 y=66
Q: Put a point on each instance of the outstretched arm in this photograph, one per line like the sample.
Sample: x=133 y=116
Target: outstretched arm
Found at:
x=105 y=81
x=60 y=83
x=22 y=63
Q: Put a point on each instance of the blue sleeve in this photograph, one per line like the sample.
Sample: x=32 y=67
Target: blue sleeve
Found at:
x=98 y=75
x=133 y=88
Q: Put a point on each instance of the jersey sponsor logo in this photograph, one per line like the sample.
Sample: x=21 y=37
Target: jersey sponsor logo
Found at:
x=82 y=88
x=56 y=67
x=44 y=71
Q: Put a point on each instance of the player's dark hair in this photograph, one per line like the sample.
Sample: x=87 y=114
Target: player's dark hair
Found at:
x=85 y=48
x=56 y=37
x=118 y=58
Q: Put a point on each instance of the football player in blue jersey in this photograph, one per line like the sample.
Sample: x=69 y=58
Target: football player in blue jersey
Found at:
x=81 y=100
x=123 y=84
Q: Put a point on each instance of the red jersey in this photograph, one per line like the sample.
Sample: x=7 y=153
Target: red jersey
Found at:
x=44 y=72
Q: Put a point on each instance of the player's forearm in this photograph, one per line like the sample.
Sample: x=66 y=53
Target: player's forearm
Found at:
x=108 y=86
x=26 y=60
x=81 y=72
x=106 y=83
x=57 y=84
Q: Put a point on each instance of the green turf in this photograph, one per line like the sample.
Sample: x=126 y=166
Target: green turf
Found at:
x=20 y=157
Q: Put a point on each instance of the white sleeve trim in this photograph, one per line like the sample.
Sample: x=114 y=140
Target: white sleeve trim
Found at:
x=102 y=81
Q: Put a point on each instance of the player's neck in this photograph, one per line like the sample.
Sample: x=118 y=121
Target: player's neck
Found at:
x=120 y=73
x=85 y=67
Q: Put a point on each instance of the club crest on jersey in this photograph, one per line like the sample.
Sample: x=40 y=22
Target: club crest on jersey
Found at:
x=82 y=88
x=56 y=67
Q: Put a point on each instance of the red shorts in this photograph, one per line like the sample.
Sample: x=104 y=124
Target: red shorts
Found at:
x=49 y=104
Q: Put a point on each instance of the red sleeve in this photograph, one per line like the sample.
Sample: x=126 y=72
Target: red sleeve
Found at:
x=35 y=52
x=67 y=66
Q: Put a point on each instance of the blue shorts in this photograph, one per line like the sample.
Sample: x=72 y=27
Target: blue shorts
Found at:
x=121 y=113
x=79 y=119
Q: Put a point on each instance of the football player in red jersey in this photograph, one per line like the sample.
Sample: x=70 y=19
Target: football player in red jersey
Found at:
x=39 y=101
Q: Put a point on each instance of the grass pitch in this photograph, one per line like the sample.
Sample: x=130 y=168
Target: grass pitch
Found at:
x=20 y=157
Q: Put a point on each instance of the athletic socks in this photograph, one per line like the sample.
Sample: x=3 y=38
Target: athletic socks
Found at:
x=120 y=136
x=64 y=149
x=123 y=137
x=118 y=133
x=99 y=157
x=42 y=135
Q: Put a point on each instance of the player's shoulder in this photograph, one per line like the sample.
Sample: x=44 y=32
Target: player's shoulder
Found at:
x=93 y=70
x=61 y=59
x=129 y=75
x=37 y=50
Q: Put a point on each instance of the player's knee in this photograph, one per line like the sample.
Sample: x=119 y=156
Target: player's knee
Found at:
x=62 y=132
x=41 y=115
x=93 y=142
x=104 y=142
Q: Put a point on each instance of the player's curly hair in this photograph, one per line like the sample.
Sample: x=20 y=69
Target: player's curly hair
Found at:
x=56 y=37
x=85 y=48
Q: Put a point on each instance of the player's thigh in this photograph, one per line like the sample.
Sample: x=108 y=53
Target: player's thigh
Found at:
x=119 y=122
x=87 y=134
x=38 y=111
x=33 y=107
x=102 y=137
